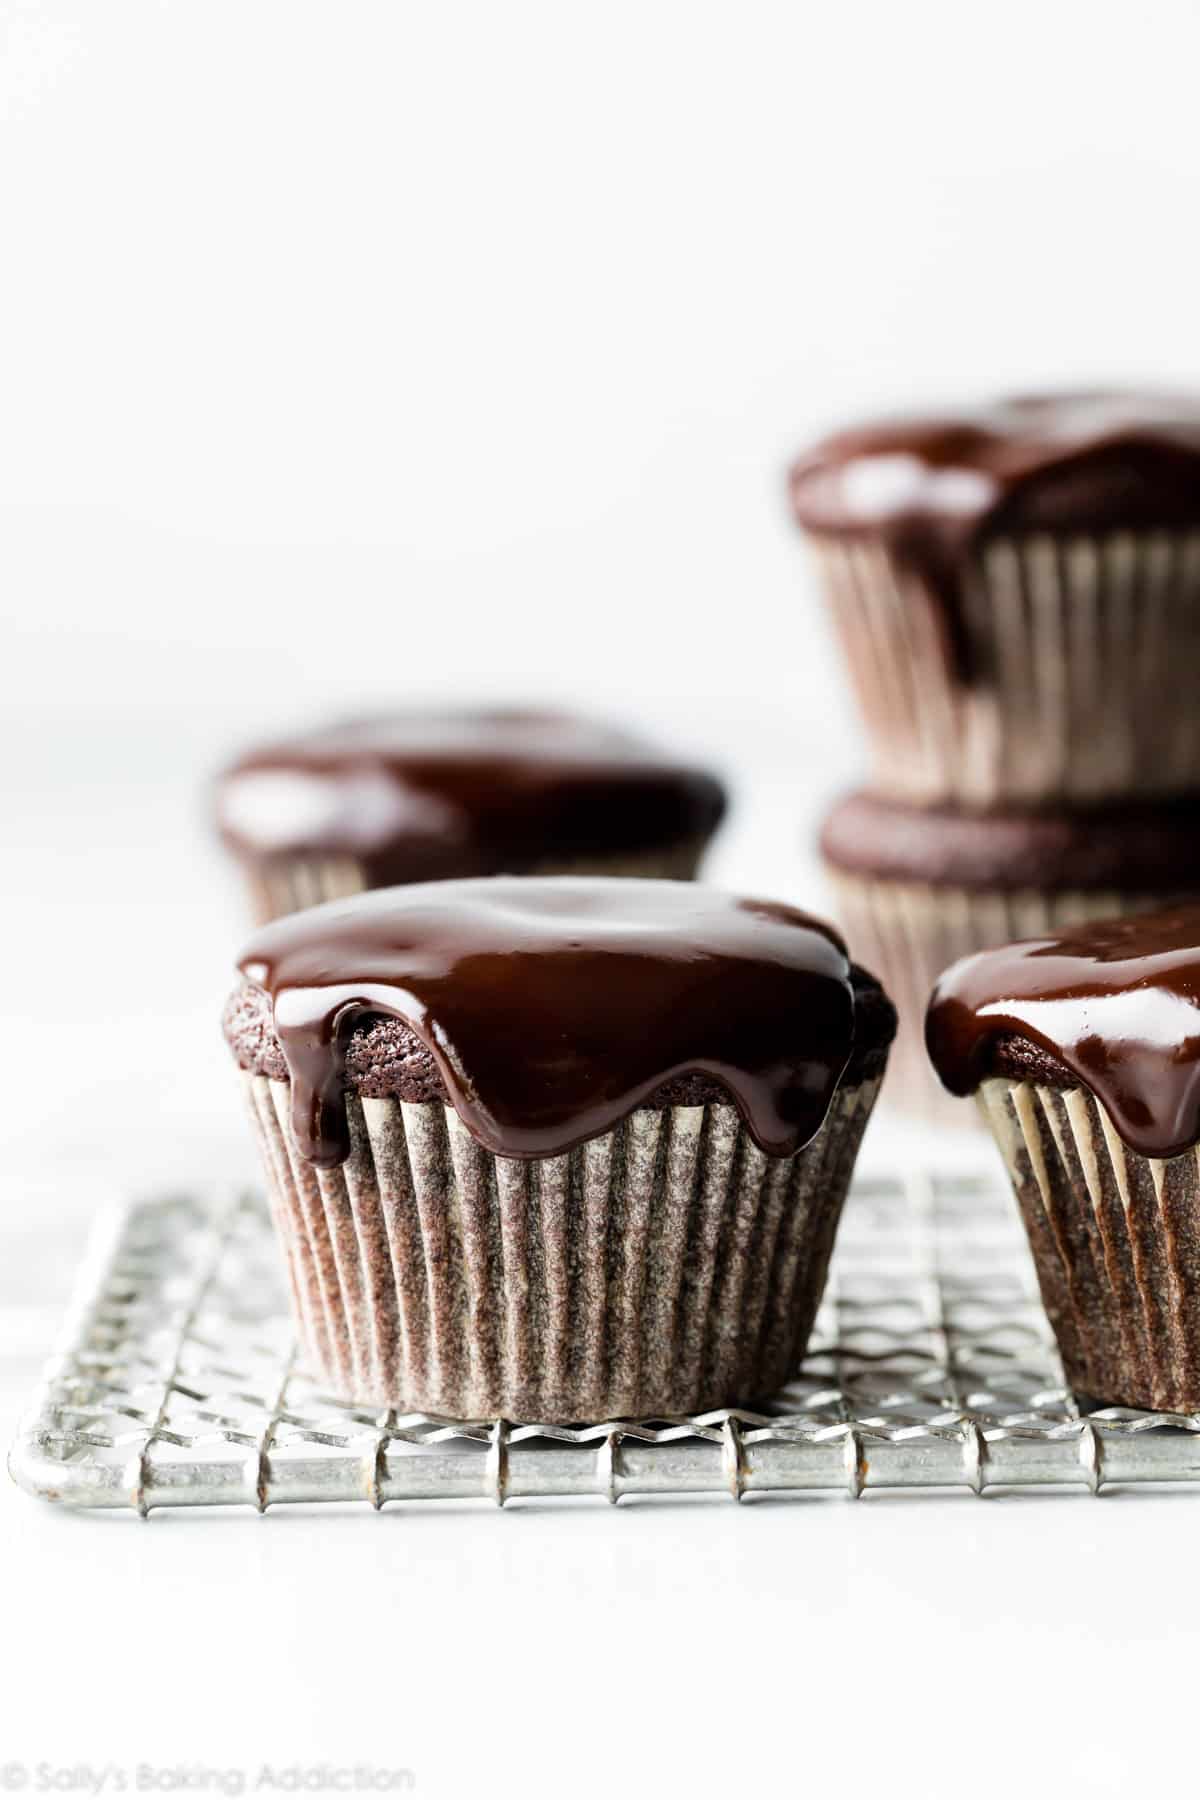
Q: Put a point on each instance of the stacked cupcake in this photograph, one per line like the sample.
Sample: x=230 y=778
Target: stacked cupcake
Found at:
x=1017 y=592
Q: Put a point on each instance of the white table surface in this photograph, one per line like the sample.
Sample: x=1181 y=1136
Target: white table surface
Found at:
x=927 y=1644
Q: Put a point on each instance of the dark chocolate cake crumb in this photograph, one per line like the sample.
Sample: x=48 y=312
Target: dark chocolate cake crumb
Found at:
x=1149 y=848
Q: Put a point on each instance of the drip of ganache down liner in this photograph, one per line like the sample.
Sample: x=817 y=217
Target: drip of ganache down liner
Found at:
x=553 y=1007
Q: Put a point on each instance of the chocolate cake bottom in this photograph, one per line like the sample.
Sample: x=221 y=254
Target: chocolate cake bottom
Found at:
x=1116 y=1242
x=290 y=884
x=664 y=1268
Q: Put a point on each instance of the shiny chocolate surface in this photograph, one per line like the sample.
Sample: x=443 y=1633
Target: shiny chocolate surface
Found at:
x=932 y=489
x=425 y=795
x=1116 y=1004
x=554 y=1007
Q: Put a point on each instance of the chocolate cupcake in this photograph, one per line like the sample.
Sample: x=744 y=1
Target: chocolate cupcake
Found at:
x=556 y=1149
x=1083 y=1051
x=425 y=796
x=917 y=888
x=1017 y=591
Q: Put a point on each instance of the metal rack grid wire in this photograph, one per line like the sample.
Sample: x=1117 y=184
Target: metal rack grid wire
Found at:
x=931 y=1366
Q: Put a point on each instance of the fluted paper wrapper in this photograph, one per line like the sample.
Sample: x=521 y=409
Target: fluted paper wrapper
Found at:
x=290 y=884
x=907 y=933
x=664 y=1268
x=1116 y=1242
x=1085 y=659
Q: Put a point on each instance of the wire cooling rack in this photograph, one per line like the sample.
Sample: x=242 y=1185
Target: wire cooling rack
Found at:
x=931 y=1365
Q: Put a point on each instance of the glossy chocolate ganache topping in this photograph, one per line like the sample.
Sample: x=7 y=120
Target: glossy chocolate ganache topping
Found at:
x=546 y=1010
x=933 y=488
x=423 y=795
x=1111 y=1007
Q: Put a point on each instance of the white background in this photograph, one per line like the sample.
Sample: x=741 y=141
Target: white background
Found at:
x=362 y=351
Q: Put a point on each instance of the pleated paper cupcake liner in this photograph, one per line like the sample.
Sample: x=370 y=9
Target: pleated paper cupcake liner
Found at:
x=908 y=933
x=1084 y=656
x=290 y=884
x=1116 y=1242
x=664 y=1268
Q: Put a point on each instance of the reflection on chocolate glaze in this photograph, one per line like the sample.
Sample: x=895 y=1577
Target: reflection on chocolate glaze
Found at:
x=1117 y=1005
x=555 y=1007
x=424 y=795
x=933 y=489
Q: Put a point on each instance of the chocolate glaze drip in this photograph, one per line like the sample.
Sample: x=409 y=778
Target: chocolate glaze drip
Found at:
x=552 y=1008
x=1117 y=1005
x=933 y=489
x=425 y=795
